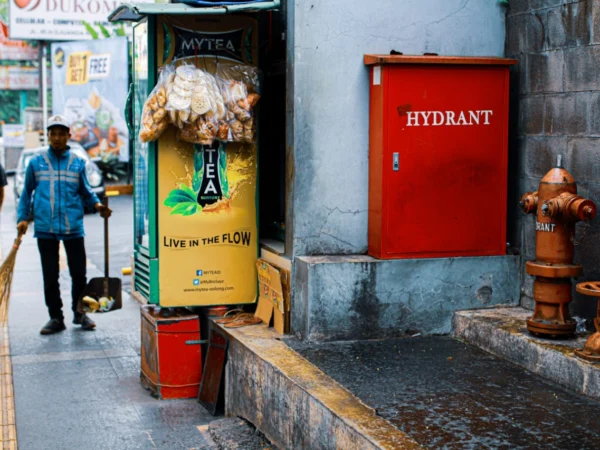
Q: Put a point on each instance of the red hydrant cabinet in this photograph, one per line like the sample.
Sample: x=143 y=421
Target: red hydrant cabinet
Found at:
x=437 y=156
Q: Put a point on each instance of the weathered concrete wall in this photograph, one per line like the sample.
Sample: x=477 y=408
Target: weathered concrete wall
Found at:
x=358 y=297
x=328 y=100
x=556 y=110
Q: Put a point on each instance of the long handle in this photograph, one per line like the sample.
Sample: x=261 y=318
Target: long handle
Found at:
x=106 y=240
x=18 y=240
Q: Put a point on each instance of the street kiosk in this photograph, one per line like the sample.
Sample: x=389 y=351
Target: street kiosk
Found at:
x=195 y=222
x=193 y=115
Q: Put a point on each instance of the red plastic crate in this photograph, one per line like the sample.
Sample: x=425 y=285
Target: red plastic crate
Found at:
x=171 y=353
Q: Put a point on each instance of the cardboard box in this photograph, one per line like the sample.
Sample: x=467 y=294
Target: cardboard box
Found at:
x=274 y=296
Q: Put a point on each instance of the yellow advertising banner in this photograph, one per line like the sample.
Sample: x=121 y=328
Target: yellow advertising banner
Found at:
x=207 y=214
x=77 y=68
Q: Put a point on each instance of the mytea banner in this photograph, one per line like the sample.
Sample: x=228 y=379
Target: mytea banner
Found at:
x=58 y=20
x=207 y=212
x=89 y=87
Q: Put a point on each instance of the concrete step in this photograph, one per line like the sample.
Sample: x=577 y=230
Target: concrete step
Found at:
x=503 y=332
x=294 y=403
x=355 y=297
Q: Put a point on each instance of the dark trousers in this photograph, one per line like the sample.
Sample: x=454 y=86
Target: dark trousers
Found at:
x=50 y=269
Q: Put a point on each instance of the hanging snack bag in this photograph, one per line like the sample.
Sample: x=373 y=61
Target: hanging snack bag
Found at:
x=239 y=90
x=207 y=108
x=179 y=93
x=155 y=119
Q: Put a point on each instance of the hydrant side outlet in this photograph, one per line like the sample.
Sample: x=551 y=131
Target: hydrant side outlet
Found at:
x=558 y=208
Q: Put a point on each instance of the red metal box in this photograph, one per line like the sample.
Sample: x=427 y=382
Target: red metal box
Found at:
x=437 y=156
x=171 y=353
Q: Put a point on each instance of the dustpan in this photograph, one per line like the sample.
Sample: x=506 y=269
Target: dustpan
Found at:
x=102 y=287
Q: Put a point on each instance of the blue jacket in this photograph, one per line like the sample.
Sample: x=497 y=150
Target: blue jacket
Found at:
x=61 y=188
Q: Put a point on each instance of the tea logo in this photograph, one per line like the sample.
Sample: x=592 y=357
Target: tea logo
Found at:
x=226 y=44
x=211 y=171
x=209 y=182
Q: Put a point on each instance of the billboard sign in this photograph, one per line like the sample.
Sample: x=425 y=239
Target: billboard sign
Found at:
x=13 y=135
x=90 y=83
x=14 y=50
x=15 y=78
x=57 y=20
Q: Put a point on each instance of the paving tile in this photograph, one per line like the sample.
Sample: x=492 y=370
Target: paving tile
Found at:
x=182 y=438
x=126 y=367
x=173 y=414
x=71 y=356
x=29 y=341
x=108 y=439
x=72 y=382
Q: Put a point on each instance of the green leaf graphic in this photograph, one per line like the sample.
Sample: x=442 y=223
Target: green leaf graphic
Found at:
x=223 y=172
x=185 y=208
x=222 y=158
x=198 y=160
x=193 y=210
x=224 y=181
x=182 y=193
x=188 y=190
x=196 y=182
x=173 y=200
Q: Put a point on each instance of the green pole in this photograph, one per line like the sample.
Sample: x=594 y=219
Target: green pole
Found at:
x=23 y=98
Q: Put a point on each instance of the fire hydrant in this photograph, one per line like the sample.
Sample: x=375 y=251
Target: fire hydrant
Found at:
x=558 y=209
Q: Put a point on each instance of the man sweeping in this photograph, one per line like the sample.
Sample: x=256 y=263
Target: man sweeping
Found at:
x=57 y=177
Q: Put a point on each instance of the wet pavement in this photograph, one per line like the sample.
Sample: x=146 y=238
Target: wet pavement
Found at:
x=450 y=395
x=81 y=390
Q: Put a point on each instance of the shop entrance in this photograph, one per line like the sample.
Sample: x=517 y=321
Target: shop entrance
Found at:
x=272 y=138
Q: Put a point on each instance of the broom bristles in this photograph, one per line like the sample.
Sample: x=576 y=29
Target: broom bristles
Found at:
x=6 y=275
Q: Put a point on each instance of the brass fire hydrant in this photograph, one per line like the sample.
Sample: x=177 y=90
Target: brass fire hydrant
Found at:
x=558 y=209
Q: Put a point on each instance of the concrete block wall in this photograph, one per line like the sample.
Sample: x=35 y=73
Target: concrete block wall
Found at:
x=328 y=100
x=555 y=110
x=358 y=297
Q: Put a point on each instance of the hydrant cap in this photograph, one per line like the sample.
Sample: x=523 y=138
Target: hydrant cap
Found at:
x=558 y=176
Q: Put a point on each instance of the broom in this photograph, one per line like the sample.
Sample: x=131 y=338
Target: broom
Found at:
x=6 y=275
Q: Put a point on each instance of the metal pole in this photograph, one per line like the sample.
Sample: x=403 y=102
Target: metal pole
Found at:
x=45 y=91
x=40 y=65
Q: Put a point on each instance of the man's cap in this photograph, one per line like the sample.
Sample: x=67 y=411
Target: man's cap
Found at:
x=58 y=121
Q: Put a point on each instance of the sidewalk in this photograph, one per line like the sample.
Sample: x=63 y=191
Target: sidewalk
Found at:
x=81 y=390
